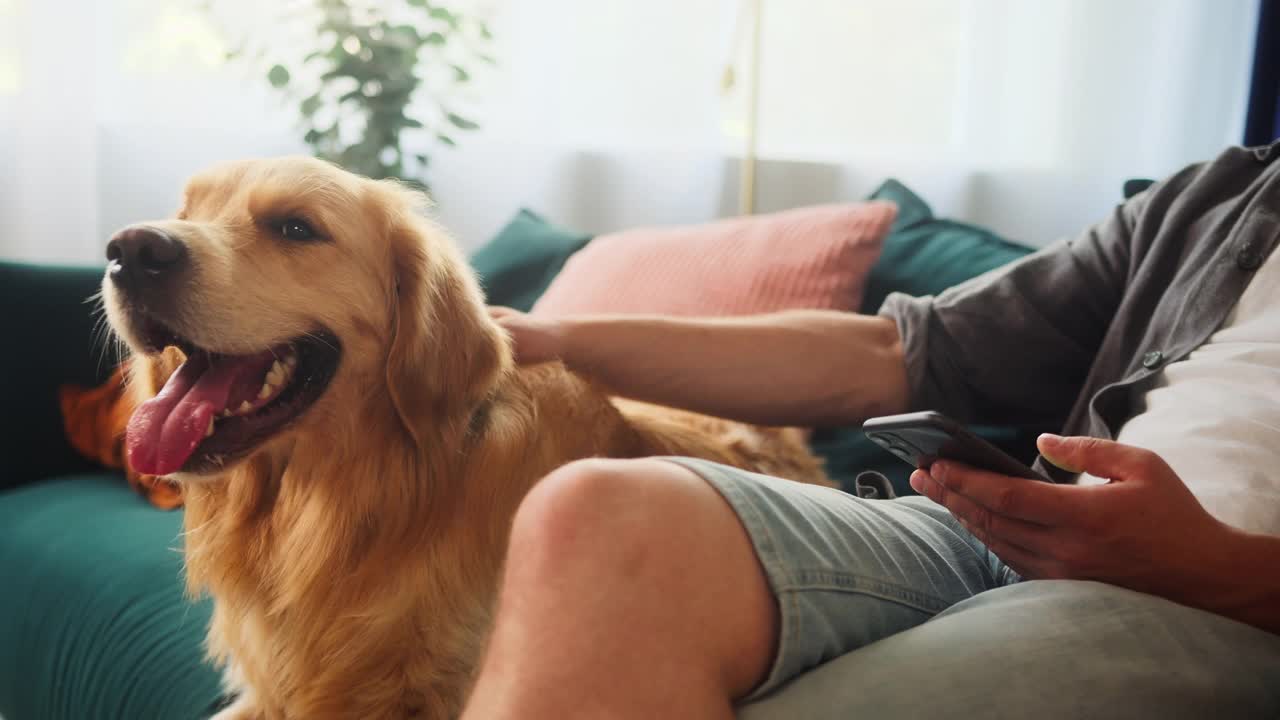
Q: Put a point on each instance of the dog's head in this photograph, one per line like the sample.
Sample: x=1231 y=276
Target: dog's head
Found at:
x=297 y=294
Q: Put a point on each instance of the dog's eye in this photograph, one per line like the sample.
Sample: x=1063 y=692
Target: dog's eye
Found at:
x=295 y=229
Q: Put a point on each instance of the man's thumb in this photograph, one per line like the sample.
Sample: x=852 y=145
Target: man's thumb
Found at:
x=1101 y=458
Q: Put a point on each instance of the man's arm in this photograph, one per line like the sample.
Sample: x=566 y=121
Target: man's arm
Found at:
x=1250 y=591
x=804 y=367
x=1018 y=345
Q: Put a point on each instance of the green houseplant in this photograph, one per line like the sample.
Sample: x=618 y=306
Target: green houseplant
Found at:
x=377 y=85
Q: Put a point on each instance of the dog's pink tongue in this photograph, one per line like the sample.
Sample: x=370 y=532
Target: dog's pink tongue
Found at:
x=165 y=430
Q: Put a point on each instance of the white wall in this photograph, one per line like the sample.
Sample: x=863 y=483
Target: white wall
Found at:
x=1025 y=116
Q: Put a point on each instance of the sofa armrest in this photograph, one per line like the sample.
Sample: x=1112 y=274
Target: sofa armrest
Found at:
x=46 y=330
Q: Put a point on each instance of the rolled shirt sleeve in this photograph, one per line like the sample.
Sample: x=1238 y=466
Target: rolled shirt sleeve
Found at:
x=1015 y=345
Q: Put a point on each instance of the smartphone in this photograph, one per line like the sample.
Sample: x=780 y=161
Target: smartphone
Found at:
x=923 y=437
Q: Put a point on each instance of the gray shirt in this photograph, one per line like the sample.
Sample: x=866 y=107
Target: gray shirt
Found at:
x=1070 y=337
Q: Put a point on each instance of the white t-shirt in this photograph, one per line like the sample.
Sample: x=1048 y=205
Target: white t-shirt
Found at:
x=1215 y=415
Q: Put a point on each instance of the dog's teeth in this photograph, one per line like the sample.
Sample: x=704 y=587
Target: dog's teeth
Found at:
x=265 y=391
x=245 y=407
x=291 y=361
x=209 y=432
x=276 y=375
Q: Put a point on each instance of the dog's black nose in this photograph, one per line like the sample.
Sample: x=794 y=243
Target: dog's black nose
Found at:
x=140 y=256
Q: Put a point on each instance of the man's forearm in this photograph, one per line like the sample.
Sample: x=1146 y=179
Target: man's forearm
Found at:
x=1246 y=586
x=806 y=368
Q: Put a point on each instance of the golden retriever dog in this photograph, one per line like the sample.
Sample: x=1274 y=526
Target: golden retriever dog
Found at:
x=316 y=367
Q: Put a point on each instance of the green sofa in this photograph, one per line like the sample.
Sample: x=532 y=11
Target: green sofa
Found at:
x=93 y=621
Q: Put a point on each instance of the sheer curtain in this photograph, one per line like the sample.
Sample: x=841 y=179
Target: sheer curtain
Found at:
x=602 y=114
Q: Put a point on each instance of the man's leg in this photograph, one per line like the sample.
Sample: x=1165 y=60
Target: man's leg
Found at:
x=1052 y=650
x=631 y=589
x=646 y=589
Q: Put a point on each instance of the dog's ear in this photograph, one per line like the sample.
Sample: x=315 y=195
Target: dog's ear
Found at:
x=446 y=353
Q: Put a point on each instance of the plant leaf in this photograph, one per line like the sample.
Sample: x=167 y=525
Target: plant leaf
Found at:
x=434 y=38
x=485 y=32
x=278 y=76
x=408 y=31
x=445 y=139
x=310 y=105
x=460 y=74
x=439 y=13
x=462 y=123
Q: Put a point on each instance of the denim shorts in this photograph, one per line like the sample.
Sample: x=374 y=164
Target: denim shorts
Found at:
x=848 y=571
x=908 y=615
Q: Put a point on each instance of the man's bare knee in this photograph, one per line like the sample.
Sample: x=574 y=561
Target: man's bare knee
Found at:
x=661 y=536
x=575 y=490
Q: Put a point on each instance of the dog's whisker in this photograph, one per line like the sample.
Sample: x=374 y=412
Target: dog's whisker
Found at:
x=100 y=336
x=321 y=340
x=104 y=339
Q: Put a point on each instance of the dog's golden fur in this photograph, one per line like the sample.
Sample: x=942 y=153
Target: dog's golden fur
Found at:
x=353 y=557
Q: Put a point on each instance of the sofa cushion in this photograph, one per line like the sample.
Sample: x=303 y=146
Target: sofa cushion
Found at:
x=93 y=622
x=810 y=257
x=49 y=340
x=924 y=255
x=523 y=258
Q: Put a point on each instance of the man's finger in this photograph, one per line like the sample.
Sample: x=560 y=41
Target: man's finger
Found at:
x=1029 y=565
x=1034 y=501
x=986 y=525
x=1100 y=458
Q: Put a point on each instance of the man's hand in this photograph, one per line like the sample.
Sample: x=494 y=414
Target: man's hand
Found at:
x=536 y=340
x=1144 y=530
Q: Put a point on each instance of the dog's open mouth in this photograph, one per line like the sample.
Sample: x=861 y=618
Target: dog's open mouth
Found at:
x=218 y=407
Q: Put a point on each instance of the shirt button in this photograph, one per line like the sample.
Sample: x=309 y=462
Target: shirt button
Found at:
x=1152 y=360
x=1248 y=259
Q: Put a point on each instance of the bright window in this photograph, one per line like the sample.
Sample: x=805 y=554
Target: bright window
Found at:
x=11 y=20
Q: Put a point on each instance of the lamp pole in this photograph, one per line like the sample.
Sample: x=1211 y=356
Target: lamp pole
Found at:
x=747 y=21
x=747 y=171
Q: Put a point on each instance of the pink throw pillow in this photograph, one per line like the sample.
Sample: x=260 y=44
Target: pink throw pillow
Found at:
x=813 y=257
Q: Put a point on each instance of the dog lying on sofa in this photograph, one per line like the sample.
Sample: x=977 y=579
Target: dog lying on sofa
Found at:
x=314 y=365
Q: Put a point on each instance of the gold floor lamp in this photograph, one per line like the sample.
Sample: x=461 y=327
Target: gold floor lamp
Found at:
x=746 y=29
